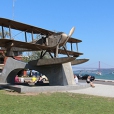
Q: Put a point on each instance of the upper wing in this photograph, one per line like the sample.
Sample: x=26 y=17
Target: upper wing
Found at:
x=24 y=27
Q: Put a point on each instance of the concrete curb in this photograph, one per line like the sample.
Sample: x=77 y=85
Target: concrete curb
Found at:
x=102 y=80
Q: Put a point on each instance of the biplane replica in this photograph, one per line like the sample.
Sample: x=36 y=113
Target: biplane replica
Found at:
x=50 y=42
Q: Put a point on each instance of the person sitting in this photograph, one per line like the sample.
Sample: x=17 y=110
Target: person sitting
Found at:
x=34 y=79
x=90 y=80
x=40 y=80
x=17 y=79
x=75 y=79
x=22 y=80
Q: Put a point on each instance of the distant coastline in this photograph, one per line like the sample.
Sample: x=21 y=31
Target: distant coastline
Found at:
x=106 y=73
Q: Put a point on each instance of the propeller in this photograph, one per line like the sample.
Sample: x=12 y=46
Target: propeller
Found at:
x=71 y=31
x=67 y=38
x=70 y=34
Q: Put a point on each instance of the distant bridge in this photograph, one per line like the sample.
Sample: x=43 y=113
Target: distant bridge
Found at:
x=91 y=66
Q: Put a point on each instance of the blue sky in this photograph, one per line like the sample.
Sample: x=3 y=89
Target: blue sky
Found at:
x=93 y=19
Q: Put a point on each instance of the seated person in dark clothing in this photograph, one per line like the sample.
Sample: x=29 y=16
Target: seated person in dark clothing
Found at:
x=90 y=80
x=40 y=80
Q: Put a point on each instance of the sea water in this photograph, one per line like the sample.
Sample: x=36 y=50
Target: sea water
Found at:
x=106 y=74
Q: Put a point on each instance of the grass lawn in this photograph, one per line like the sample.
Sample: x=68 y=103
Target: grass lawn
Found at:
x=54 y=103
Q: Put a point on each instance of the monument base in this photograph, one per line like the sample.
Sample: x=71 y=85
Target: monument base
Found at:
x=59 y=74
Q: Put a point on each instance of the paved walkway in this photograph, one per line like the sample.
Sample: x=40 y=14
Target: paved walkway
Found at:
x=99 y=90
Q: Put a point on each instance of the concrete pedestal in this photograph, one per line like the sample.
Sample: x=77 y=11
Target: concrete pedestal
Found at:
x=60 y=74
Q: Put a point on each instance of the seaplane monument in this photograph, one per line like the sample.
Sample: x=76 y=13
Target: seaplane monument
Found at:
x=57 y=69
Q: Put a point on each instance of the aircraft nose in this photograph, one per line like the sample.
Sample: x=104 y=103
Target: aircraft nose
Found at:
x=64 y=36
